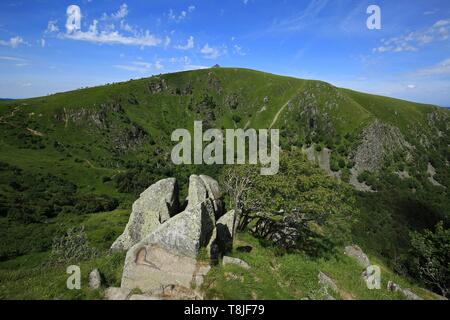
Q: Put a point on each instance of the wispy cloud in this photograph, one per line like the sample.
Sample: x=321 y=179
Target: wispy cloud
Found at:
x=13 y=42
x=101 y=33
x=18 y=62
x=302 y=19
x=440 y=69
x=178 y=17
x=136 y=66
x=212 y=52
x=439 y=31
x=141 y=66
x=189 y=45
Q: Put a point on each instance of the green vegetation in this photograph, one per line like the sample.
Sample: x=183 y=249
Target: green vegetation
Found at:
x=81 y=158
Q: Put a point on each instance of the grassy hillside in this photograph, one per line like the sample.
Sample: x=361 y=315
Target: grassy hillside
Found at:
x=82 y=157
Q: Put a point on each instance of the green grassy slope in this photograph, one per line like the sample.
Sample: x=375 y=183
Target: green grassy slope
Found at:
x=72 y=158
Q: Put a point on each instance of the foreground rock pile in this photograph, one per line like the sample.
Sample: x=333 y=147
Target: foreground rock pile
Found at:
x=163 y=240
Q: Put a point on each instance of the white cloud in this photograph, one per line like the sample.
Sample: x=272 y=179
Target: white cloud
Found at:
x=194 y=67
x=411 y=86
x=121 y=13
x=52 y=26
x=189 y=45
x=141 y=66
x=136 y=66
x=440 y=69
x=238 y=50
x=211 y=52
x=42 y=42
x=182 y=15
x=18 y=62
x=13 y=42
x=439 y=31
x=159 y=65
x=105 y=35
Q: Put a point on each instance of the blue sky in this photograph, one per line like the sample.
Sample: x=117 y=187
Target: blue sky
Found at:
x=51 y=46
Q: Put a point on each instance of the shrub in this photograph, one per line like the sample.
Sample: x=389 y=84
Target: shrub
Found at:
x=431 y=257
x=73 y=246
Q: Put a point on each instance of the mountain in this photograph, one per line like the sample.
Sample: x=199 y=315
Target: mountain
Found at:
x=94 y=150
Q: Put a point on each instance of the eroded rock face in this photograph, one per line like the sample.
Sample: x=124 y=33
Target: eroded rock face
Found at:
x=378 y=141
x=150 y=267
x=154 y=206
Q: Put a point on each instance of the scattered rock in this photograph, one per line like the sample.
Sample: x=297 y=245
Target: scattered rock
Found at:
x=235 y=261
x=327 y=282
x=154 y=206
x=117 y=293
x=328 y=297
x=408 y=294
x=95 y=279
x=355 y=252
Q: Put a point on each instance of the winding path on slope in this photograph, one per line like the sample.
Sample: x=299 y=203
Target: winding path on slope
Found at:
x=275 y=119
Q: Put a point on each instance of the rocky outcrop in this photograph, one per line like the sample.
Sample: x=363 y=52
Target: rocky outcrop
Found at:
x=154 y=206
x=185 y=233
x=355 y=252
x=378 y=141
x=167 y=254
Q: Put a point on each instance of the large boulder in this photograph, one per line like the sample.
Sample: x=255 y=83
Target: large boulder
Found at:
x=204 y=187
x=155 y=205
x=168 y=255
x=187 y=232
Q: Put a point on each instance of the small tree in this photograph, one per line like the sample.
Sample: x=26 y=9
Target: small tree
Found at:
x=292 y=207
x=431 y=252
